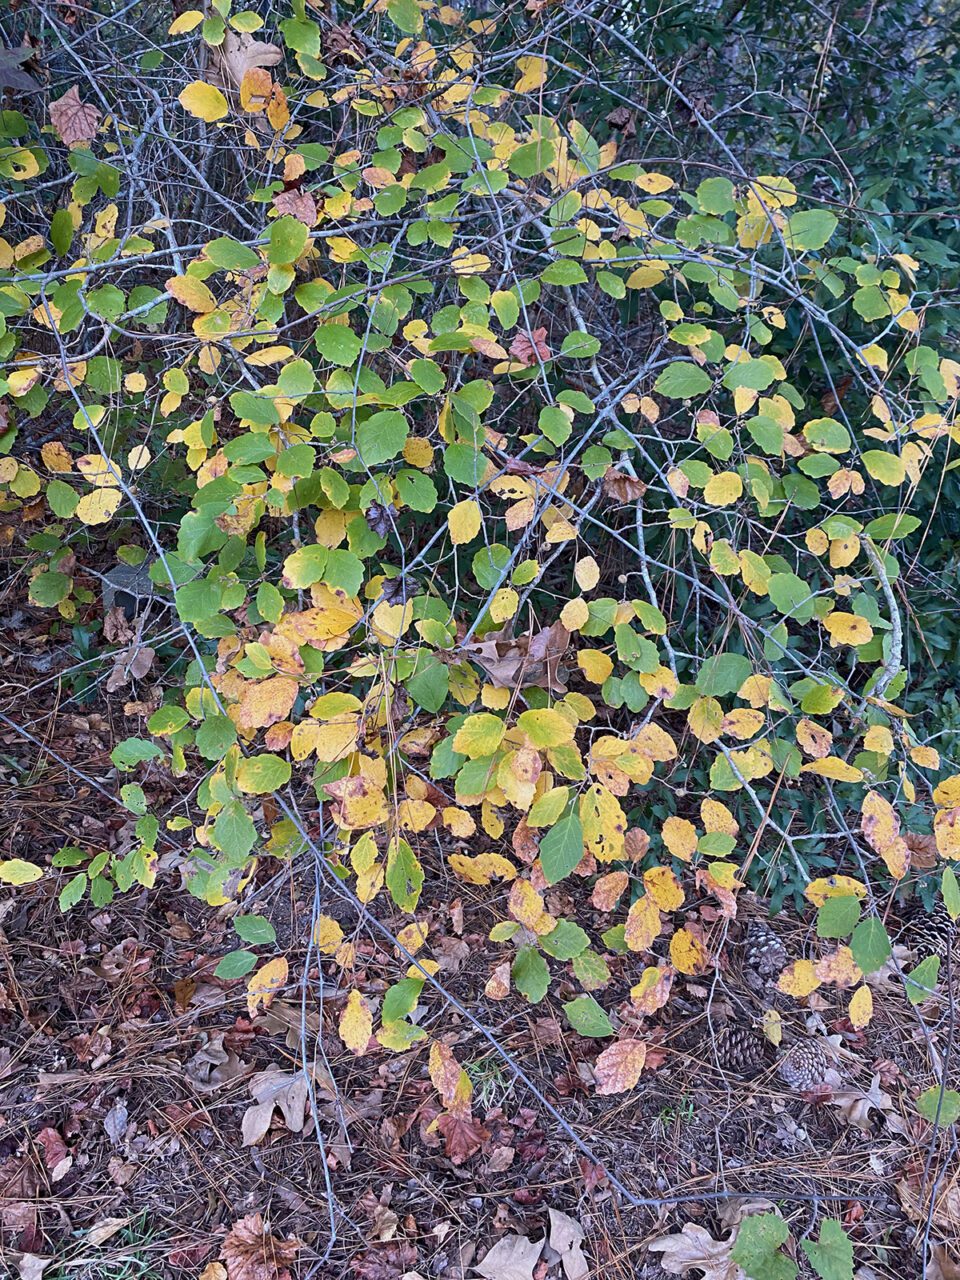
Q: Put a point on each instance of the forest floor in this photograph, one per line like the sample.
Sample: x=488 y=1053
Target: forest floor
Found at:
x=151 y=1127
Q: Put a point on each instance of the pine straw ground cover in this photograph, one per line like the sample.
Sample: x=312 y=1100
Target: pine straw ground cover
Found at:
x=145 y=1113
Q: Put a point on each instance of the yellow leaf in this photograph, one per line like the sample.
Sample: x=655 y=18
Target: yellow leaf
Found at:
x=834 y=768
x=191 y=293
x=705 y=719
x=680 y=837
x=664 y=888
x=575 y=613
x=465 y=263
x=595 y=665
x=742 y=723
x=881 y=829
x=483 y=869
x=263 y=985
x=504 y=604
x=838 y=967
x=604 y=823
x=643 y=924
x=723 y=489
x=17 y=871
x=687 y=953
x=925 y=757
x=445 y=1072
x=97 y=507
x=653 y=990
x=138 y=457
x=545 y=727
x=56 y=458
x=586 y=573
x=654 y=183
x=526 y=906
x=818 y=891
x=946 y=794
x=946 y=829
x=798 y=979
x=860 y=1010
x=463 y=521
x=204 y=101
x=533 y=74
x=813 y=739
x=717 y=817
x=327 y=935
x=479 y=735
x=186 y=22
x=847 y=628
x=356 y=1024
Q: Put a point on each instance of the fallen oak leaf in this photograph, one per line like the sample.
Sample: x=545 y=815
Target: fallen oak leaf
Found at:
x=76 y=122
x=463 y=1136
x=512 y=1258
x=273 y=1089
x=567 y=1236
x=694 y=1248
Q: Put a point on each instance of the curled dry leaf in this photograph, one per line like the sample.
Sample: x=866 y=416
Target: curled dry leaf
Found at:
x=567 y=1236
x=252 y=1253
x=512 y=1258
x=694 y=1249
x=273 y=1089
x=621 y=487
x=240 y=53
x=76 y=122
x=530 y=348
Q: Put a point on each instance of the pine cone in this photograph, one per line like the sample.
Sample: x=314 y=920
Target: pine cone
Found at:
x=763 y=950
x=804 y=1066
x=928 y=932
x=739 y=1049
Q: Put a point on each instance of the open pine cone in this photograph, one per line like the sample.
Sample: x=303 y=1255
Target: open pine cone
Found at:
x=764 y=953
x=740 y=1050
x=804 y=1066
x=928 y=932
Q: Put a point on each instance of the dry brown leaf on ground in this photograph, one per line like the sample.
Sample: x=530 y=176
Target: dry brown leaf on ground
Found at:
x=941 y=1265
x=694 y=1248
x=512 y=1258
x=251 y=1252
x=76 y=122
x=273 y=1089
x=856 y=1104
x=567 y=1236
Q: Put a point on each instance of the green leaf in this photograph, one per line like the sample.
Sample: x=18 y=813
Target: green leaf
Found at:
x=167 y=720
x=233 y=832
x=133 y=751
x=416 y=490
x=17 y=871
x=428 y=376
x=951 y=892
x=50 y=587
x=381 y=437
x=757 y=1248
x=530 y=974
x=832 y=1257
x=61 y=231
x=406 y=15
x=255 y=930
x=565 y=940
x=533 y=157
x=287 y=240
x=404 y=876
x=939 y=1105
x=921 y=982
x=722 y=674
x=337 y=343
x=215 y=736
x=870 y=945
x=892 y=526
x=263 y=774
x=133 y=798
x=682 y=380
x=561 y=849
x=793 y=597
x=837 y=917
x=72 y=892
x=401 y=999
x=235 y=964
x=716 y=196
x=810 y=229
x=230 y=255
x=587 y=1017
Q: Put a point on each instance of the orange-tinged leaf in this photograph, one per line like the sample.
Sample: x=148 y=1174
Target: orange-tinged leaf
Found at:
x=264 y=702
x=618 y=1068
x=687 y=953
x=664 y=888
x=356 y=1024
x=860 y=1009
x=946 y=830
x=191 y=293
x=838 y=968
x=653 y=990
x=643 y=924
x=813 y=739
x=444 y=1072
x=263 y=985
x=608 y=890
x=798 y=979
